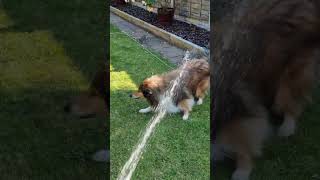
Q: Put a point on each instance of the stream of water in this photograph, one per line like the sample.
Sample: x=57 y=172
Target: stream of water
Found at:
x=131 y=164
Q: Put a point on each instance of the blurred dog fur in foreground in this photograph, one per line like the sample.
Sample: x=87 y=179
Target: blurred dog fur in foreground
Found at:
x=92 y=103
x=263 y=75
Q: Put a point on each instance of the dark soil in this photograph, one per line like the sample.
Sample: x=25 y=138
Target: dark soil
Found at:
x=184 y=30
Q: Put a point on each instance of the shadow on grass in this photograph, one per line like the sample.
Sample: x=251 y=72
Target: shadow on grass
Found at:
x=48 y=52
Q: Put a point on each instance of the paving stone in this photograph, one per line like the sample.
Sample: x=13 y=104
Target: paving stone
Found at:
x=115 y=19
x=130 y=27
x=154 y=43
x=170 y=52
x=139 y=34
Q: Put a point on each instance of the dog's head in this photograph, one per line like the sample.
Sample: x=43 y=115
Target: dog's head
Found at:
x=148 y=90
x=143 y=92
x=87 y=105
x=92 y=102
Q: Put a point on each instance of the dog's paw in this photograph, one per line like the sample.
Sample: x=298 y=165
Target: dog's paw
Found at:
x=101 y=156
x=240 y=175
x=185 y=116
x=217 y=153
x=200 y=101
x=287 y=128
x=145 y=110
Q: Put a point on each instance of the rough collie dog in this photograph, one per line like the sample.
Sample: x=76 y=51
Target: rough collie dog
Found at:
x=92 y=102
x=263 y=73
x=191 y=89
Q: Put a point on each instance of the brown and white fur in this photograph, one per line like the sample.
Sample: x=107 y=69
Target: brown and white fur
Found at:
x=264 y=72
x=191 y=89
x=93 y=102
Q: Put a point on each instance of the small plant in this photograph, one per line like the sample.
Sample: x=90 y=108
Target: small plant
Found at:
x=159 y=3
x=149 y=2
x=165 y=9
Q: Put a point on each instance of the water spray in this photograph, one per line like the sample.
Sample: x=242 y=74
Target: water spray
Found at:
x=131 y=164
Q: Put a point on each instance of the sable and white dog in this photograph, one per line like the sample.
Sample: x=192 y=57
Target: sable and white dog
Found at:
x=191 y=88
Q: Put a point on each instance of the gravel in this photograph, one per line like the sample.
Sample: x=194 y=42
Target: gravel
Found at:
x=184 y=30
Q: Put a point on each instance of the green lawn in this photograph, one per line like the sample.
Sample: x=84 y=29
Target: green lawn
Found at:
x=295 y=158
x=178 y=149
x=49 y=51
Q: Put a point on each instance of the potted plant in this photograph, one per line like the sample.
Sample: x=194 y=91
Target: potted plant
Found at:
x=149 y=4
x=166 y=12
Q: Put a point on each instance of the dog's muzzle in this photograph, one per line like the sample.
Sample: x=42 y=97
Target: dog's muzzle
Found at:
x=133 y=96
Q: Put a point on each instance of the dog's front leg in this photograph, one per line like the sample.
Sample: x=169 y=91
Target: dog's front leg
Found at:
x=288 y=126
x=217 y=153
x=101 y=156
x=200 y=101
x=185 y=107
x=244 y=167
x=145 y=110
x=185 y=115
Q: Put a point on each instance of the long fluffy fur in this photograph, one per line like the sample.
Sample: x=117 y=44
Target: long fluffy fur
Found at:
x=94 y=101
x=193 y=85
x=263 y=67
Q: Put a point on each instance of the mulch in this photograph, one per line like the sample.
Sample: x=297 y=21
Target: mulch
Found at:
x=184 y=30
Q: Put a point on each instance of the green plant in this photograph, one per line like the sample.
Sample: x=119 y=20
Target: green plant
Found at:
x=150 y=2
x=160 y=3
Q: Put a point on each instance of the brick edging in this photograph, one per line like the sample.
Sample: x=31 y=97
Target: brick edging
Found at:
x=169 y=37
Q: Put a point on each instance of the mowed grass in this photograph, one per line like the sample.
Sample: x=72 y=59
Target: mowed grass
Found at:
x=178 y=149
x=48 y=53
x=296 y=157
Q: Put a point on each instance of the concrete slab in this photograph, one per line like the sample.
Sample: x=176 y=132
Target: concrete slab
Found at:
x=171 y=52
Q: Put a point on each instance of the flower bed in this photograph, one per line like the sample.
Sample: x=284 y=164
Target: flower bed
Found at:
x=184 y=30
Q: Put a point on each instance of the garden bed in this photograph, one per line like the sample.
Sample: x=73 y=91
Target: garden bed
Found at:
x=189 y=32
